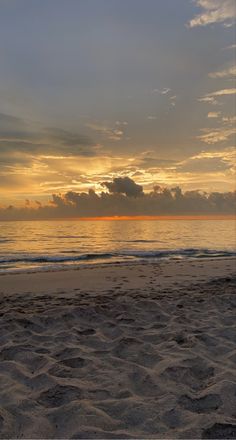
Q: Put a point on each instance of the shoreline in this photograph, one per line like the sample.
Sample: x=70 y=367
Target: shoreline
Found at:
x=107 y=259
x=182 y=271
x=128 y=351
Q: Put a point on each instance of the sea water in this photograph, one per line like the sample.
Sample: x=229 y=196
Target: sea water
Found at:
x=62 y=244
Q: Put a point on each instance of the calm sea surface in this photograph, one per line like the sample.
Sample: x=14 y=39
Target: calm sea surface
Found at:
x=42 y=245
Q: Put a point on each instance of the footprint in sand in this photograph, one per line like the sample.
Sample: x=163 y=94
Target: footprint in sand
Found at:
x=208 y=403
x=59 y=395
x=86 y=332
x=143 y=384
x=1 y=422
x=77 y=362
x=196 y=377
x=220 y=430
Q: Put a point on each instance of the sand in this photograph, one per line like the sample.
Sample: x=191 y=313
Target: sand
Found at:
x=119 y=351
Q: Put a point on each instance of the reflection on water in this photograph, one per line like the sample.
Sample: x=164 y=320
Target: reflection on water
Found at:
x=45 y=243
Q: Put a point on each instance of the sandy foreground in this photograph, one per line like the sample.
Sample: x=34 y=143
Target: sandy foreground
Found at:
x=119 y=351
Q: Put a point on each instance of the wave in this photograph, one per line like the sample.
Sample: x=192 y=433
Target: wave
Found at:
x=135 y=254
x=73 y=236
x=5 y=240
x=53 y=258
x=137 y=241
x=189 y=252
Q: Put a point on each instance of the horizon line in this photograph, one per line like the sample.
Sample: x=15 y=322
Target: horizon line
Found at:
x=135 y=218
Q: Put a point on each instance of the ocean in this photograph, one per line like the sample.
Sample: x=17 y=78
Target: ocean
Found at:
x=53 y=245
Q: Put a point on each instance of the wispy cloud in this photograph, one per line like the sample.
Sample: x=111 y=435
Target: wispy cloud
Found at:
x=208 y=100
x=173 y=100
x=228 y=154
x=162 y=91
x=232 y=46
x=213 y=114
x=110 y=133
x=210 y=162
x=214 y=11
x=226 y=73
x=166 y=91
x=213 y=136
x=223 y=92
x=211 y=97
x=230 y=120
x=120 y=123
x=151 y=118
x=19 y=135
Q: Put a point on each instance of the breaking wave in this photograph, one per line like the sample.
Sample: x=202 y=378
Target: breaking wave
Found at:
x=38 y=262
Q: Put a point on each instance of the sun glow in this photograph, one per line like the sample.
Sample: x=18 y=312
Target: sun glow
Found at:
x=157 y=217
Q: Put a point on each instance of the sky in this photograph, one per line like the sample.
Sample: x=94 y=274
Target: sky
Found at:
x=98 y=90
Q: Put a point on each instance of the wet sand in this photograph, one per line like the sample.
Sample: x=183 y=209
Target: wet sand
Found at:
x=119 y=351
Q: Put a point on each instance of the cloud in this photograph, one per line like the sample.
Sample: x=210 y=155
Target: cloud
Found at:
x=227 y=154
x=150 y=159
x=201 y=164
x=232 y=46
x=124 y=185
x=208 y=99
x=121 y=201
x=226 y=73
x=230 y=120
x=222 y=92
x=213 y=114
x=38 y=161
x=221 y=133
x=31 y=154
x=120 y=123
x=163 y=91
x=173 y=100
x=214 y=11
x=215 y=165
x=213 y=136
x=18 y=135
x=68 y=138
x=211 y=97
x=207 y=165
x=110 y=133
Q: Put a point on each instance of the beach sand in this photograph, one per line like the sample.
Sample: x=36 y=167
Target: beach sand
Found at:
x=119 y=351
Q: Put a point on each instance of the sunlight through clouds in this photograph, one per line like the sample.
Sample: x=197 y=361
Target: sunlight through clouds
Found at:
x=89 y=107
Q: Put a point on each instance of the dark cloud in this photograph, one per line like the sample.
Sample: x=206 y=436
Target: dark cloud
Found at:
x=18 y=135
x=160 y=201
x=68 y=138
x=8 y=121
x=15 y=129
x=124 y=185
x=7 y=160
